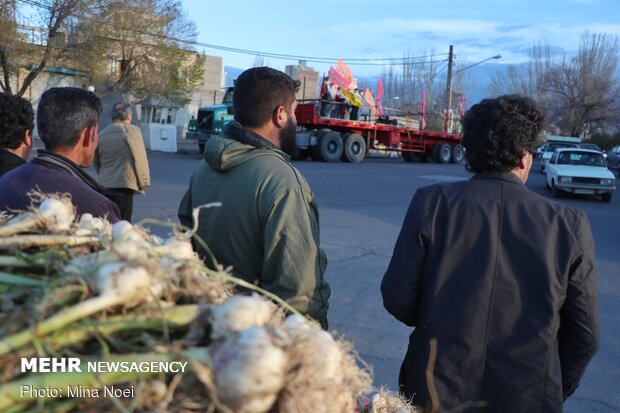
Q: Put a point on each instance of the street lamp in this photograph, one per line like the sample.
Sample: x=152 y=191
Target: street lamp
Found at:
x=449 y=85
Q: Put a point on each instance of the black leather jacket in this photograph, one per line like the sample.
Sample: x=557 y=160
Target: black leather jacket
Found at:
x=504 y=280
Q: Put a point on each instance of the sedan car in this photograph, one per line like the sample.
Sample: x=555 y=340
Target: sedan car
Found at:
x=613 y=158
x=579 y=171
x=550 y=147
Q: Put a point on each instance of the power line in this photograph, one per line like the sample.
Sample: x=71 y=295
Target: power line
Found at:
x=413 y=60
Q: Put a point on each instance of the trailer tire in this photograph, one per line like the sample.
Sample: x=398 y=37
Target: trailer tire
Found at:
x=443 y=153
x=458 y=153
x=410 y=157
x=330 y=146
x=354 y=149
x=302 y=155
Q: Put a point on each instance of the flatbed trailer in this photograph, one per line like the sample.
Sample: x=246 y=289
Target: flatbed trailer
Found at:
x=330 y=139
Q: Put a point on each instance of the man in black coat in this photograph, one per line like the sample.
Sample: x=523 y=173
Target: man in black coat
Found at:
x=16 y=124
x=498 y=281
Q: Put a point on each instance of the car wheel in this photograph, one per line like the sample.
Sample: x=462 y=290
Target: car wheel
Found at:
x=606 y=197
x=555 y=192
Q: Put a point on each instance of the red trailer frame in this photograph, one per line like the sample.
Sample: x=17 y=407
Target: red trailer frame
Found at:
x=411 y=143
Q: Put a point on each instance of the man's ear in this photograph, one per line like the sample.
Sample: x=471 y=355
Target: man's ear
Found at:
x=280 y=117
x=88 y=136
x=28 y=138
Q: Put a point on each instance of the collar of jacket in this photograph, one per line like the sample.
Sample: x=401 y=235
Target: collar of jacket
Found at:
x=60 y=162
x=235 y=131
x=502 y=176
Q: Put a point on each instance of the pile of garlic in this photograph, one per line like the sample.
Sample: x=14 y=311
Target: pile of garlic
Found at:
x=264 y=362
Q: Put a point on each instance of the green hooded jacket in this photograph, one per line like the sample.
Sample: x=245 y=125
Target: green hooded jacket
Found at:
x=267 y=228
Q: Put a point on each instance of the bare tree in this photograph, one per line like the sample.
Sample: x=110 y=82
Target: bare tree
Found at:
x=580 y=93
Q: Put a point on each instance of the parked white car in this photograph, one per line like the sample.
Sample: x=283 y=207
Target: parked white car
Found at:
x=579 y=171
x=547 y=150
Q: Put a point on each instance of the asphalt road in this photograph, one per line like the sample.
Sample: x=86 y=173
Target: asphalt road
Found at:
x=362 y=207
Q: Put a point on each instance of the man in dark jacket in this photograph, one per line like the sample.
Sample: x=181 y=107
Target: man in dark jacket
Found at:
x=68 y=122
x=16 y=124
x=498 y=282
x=268 y=225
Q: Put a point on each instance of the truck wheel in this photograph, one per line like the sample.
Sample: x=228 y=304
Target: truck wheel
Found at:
x=201 y=148
x=330 y=145
x=410 y=156
x=354 y=149
x=442 y=153
x=315 y=150
x=458 y=153
x=302 y=155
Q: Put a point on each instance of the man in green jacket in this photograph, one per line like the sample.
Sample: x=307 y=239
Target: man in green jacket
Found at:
x=268 y=225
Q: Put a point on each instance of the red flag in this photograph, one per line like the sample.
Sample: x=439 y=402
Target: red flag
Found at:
x=379 y=95
x=423 y=110
x=323 y=86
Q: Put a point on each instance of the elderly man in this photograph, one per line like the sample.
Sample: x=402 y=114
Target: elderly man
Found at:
x=67 y=122
x=121 y=161
x=16 y=124
x=498 y=281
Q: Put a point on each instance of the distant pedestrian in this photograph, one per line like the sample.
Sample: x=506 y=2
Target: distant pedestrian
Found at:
x=498 y=282
x=16 y=125
x=121 y=161
x=68 y=123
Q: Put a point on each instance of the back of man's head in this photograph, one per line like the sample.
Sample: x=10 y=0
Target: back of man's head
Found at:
x=16 y=117
x=121 y=111
x=498 y=132
x=259 y=92
x=63 y=113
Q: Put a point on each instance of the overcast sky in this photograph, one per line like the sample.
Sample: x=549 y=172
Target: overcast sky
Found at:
x=375 y=29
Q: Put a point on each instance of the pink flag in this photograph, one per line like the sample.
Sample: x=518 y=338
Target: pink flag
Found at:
x=337 y=78
x=462 y=105
x=379 y=95
x=423 y=110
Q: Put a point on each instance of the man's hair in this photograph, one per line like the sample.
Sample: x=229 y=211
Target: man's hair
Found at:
x=259 y=92
x=497 y=132
x=63 y=113
x=16 y=116
x=121 y=110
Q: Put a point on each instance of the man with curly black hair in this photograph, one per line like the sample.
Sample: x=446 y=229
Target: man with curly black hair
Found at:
x=498 y=281
x=16 y=124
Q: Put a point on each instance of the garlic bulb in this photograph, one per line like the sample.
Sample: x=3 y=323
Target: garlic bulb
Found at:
x=56 y=214
x=249 y=371
x=129 y=284
x=124 y=231
x=240 y=312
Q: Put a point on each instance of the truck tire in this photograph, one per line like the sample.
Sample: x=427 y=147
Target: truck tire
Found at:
x=302 y=155
x=201 y=148
x=458 y=153
x=330 y=145
x=444 y=153
x=410 y=157
x=354 y=149
x=315 y=150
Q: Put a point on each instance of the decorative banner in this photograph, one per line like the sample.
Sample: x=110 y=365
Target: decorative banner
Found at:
x=371 y=102
x=379 y=95
x=337 y=78
x=344 y=70
x=423 y=110
x=352 y=98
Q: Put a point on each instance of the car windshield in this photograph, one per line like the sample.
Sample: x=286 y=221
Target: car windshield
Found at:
x=591 y=146
x=581 y=158
x=553 y=146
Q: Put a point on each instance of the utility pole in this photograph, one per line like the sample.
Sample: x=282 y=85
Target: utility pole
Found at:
x=449 y=90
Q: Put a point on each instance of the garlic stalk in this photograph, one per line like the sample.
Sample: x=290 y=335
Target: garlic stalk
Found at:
x=117 y=284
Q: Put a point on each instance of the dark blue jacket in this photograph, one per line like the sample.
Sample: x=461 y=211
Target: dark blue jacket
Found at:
x=52 y=173
x=8 y=161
